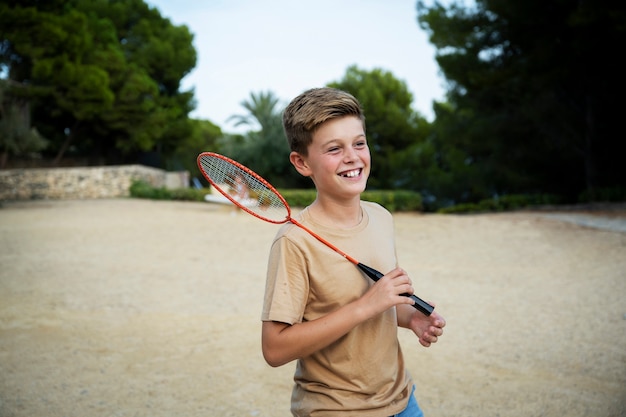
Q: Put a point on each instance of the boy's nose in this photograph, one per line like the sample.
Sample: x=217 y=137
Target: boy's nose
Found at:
x=350 y=155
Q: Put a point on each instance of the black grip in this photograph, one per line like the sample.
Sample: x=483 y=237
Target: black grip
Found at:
x=420 y=304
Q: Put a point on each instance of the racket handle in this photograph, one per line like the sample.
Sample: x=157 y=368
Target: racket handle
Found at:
x=420 y=304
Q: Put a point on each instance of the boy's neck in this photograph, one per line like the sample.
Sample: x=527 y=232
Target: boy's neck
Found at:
x=343 y=215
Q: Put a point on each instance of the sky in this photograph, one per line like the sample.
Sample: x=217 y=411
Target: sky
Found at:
x=289 y=46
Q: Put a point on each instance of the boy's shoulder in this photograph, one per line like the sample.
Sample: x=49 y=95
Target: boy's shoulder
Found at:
x=375 y=208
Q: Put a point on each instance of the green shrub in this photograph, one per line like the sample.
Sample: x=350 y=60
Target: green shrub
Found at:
x=141 y=189
x=392 y=200
x=395 y=200
x=299 y=197
x=611 y=194
x=188 y=194
x=503 y=203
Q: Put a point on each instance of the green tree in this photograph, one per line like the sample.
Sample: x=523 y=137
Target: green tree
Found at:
x=203 y=138
x=43 y=56
x=393 y=126
x=152 y=111
x=102 y=77
x=262 y=110
x=532 y=98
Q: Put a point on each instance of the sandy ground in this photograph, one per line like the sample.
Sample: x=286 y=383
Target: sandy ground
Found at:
x=141 y=308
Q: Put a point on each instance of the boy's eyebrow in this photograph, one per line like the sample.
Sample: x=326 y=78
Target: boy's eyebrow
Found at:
x=359 y=136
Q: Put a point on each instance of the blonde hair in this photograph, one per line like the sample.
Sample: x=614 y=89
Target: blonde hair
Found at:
x=310 y=109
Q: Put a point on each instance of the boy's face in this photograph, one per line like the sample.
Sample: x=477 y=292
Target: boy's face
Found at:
x=338 y=159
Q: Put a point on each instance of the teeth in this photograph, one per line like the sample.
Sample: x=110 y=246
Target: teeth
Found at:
x=352 y=174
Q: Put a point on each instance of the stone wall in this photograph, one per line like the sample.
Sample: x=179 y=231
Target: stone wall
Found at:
x=83 y=182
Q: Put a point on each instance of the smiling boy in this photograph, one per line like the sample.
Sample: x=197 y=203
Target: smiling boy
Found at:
x=320 y=309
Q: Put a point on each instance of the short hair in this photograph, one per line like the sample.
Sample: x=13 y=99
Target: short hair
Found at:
x=309 y=110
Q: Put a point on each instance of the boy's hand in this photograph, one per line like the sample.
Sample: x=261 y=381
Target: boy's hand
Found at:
x=427 y=328
x=386 y=292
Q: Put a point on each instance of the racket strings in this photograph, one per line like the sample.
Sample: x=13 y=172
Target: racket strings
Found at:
x=245 y=188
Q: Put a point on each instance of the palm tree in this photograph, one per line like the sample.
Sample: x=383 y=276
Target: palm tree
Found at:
x=263 y=112
x=263 y=148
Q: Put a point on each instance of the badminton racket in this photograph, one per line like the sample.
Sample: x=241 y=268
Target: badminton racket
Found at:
x=253 y=194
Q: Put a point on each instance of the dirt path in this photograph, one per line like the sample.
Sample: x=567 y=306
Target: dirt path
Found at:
x=140 y=308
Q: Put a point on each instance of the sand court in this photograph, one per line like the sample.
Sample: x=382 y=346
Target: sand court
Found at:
x=128 y=307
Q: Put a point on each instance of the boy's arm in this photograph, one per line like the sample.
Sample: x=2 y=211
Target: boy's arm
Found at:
x=282 y=343
x=427 y=328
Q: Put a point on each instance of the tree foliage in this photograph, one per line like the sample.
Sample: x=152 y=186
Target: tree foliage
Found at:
x=203 y=136
x=392 y=124
x=102 y=77
x=532 y=103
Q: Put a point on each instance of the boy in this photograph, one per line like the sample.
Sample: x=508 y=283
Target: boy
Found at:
x=319 y=309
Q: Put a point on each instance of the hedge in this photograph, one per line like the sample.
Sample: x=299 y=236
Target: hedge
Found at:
x=392 y=200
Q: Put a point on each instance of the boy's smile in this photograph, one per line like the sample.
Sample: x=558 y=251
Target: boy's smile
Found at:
x=351 y=174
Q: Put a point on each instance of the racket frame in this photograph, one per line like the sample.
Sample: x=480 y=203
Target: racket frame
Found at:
x=253 y=174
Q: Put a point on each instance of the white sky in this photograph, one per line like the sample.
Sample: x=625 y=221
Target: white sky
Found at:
x=288 y=46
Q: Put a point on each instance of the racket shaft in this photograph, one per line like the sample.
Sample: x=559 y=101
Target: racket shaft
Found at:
x=420 y=304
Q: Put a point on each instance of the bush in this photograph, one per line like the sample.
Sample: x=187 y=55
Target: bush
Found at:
x=395 y=200
x=188 y=194
x=392 y=200
x=299 y=197
x=608 y=194
x=400 y=200
x=141 y=189
x=503 y=203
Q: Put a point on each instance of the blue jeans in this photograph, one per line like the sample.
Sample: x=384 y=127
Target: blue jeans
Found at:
x=412 y=408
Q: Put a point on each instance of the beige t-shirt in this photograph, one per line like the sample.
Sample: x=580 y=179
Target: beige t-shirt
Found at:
x=363 y=373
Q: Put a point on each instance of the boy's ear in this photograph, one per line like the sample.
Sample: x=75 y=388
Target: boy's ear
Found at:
x=299 y=162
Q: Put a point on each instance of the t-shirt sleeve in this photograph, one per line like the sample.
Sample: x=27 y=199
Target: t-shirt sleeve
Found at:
x=287 y=284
